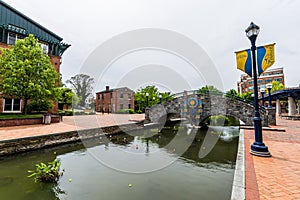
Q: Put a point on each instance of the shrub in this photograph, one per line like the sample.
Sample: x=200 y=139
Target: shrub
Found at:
x=125 y=111
x=46 y=173
x=40 y=105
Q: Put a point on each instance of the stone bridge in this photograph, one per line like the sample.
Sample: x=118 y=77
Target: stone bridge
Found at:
x=199 y=107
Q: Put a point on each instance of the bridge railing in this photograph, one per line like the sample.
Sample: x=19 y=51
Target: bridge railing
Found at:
x=196 y=92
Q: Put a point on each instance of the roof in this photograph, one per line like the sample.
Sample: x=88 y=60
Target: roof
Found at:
x=284 y=94
x=10 y=15
x=115 y=89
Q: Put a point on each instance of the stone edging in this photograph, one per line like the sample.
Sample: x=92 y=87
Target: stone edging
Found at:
x=238 y=187
x=13 y=146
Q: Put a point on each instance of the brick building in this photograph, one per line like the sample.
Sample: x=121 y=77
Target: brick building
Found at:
x=113 y=100
x=245 y=84
x=13 y=26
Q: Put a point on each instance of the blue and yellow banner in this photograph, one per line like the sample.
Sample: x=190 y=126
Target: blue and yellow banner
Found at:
x=265 y=59
x=243 y=60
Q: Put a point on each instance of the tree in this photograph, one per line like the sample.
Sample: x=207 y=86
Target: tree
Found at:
x=26 y=73
x=248 y=96
x=232 y=93
x=153 y=98
x=82 y=85
x=210 y=89
x=67 y=98
x=277 y=86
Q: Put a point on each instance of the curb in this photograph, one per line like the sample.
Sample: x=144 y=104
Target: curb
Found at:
x=238 y=186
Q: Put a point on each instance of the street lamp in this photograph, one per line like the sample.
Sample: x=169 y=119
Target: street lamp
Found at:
x=269 y=87
x=160 y=99
x=258 y=147
x=147 y=99
x=262 y=92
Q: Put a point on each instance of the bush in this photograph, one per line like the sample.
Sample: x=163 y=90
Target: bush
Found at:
x=125 y=111
x=39 y=105
x=46 y=173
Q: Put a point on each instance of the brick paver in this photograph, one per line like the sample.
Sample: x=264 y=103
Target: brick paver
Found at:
x=70 y=123
x=277 y=177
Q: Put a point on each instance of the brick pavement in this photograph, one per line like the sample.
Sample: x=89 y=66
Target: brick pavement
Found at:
x=70 y=123
x=277 y=177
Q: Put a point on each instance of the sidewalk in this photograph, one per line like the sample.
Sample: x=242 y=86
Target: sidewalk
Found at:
x=69 y=123
x=277 y=177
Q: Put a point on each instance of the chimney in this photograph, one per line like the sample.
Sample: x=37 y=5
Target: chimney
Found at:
x=107 y=88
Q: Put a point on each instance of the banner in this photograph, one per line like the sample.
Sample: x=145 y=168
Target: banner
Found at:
x=243 y=60
x=265 y=57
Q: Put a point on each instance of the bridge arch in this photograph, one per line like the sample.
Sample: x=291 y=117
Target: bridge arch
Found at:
x=202 y=105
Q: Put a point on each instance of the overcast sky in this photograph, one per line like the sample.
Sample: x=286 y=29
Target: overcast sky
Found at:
x=218 y=27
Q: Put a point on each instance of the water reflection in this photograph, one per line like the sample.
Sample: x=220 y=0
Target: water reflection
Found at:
x=188 y=177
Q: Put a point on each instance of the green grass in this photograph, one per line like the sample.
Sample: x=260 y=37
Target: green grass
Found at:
x=19 y=116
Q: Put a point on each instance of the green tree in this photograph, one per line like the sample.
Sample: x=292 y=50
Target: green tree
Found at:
x=82 y=85
x=248 y=96
x=232 y=93
x=210 y=89
x=276 y=86
x=153 y=98
x=26 y=72
x=67 y=98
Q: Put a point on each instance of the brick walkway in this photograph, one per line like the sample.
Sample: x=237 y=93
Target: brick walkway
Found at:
x=277 y=177
x=70 y=123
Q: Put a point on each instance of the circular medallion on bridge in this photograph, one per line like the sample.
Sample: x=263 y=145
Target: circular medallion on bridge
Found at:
x=192 y=102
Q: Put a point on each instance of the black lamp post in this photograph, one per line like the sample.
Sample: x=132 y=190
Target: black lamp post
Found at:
x=258 y=147
x=269 y=87
x=262 y=92
x=147 y=99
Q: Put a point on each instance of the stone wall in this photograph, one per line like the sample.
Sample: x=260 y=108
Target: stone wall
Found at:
x=8 y=147
x=212 y=105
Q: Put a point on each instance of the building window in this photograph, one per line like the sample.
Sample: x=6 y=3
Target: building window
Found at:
x=278 y=79
x=259 y=81
x=121 y=106
x=129 y=96
x=111 y=95
x=129 y=106
x=98 y=96
x=45 y=48
x=268 y=80
x=12 y=105
x=250 y=82
x=12 y=38
x=121 y=95
x=102 y=96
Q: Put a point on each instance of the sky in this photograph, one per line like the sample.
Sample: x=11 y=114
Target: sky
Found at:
x=217 y=27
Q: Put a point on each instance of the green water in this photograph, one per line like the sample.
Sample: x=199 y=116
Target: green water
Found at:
x=90 y=175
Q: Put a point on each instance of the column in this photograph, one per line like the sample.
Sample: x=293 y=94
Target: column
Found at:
x=278 y=107
x=292 y=106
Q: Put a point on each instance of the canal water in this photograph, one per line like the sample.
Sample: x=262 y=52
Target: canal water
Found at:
x=97 y=170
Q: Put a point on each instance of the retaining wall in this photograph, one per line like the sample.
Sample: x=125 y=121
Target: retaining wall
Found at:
x=27 y=121
x=13 y=146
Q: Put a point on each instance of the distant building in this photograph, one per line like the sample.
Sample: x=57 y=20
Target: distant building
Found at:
x=13 y=26
x=113 y=100
x=245 y=84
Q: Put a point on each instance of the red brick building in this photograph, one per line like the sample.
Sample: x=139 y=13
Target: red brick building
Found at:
x=246 y=82
x=113 y=100
x=13 y=26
